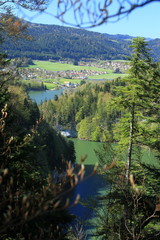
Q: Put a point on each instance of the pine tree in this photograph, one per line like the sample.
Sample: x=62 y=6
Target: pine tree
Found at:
x=136 y=99
x=131 y=207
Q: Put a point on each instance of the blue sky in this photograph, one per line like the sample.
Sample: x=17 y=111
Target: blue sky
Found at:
x=142 y=22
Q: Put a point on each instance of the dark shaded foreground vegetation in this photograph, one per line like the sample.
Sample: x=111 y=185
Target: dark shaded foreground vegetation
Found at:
x=32 y=199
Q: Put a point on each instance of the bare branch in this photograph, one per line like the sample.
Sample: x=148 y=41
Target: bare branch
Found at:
x=87 y=13
x=91 y=13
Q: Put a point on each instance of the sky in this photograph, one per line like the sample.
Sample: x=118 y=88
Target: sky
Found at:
x=143 y=22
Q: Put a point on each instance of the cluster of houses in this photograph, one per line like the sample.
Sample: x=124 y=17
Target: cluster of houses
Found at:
x=123 y=66
x=37 y=73
x=40 y=74
x=82 y=74
x=69 y=84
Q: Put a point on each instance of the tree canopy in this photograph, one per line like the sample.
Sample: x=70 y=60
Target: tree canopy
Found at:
x=131 y=207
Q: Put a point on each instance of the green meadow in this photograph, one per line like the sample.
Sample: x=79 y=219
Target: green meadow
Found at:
x=53 y=83
x=63 y=80
x=57 y=66
x=50 y=85
x=108 y=76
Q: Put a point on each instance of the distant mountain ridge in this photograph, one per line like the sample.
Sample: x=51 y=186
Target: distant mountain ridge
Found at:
x=119 y=36
x=123 y=37
x=58 y=42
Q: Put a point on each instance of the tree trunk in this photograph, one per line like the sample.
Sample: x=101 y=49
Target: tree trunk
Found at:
x=130 y=147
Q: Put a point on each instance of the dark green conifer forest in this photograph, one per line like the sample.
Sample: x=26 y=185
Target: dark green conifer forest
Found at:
x=53 y=42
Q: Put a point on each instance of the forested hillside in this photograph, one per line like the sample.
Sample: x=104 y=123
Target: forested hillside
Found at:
x=57 y=43
x=87 y=111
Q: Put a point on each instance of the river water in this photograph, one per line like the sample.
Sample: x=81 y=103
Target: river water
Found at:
x=41 y=96
x=91 y=186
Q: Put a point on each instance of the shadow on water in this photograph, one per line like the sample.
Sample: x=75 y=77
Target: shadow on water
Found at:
x=89 y=189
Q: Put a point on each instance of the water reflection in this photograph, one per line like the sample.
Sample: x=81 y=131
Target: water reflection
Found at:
x=89 y=189
x=41 y=96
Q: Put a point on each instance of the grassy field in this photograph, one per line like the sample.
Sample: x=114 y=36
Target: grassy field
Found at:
x=55 y=82
x=63 y=80
x=123 y=61
x=50 y=85
x=107 y=76
x=57 y=66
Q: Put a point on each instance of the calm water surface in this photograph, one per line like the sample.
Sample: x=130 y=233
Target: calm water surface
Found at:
x=41 y=96
x=91 y=187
